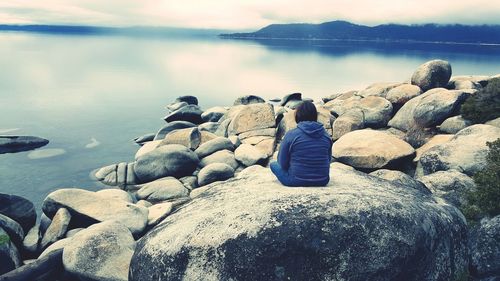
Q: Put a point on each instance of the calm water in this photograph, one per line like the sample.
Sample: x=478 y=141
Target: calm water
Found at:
x=70 y=89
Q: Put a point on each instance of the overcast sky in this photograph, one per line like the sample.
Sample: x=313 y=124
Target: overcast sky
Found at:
x=246 y=14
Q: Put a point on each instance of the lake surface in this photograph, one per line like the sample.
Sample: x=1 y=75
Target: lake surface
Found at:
x=91 y=95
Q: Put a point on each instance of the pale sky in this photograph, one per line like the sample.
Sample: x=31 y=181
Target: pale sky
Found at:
x=245 y=14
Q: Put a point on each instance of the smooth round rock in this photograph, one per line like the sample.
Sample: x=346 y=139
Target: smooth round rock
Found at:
x=221 y=156
x=19 y=209
x=454 y=124
x=249 y=155
x=187 y=99
x=248 y=99
x=189 y=137
x=214 y=172
x=213 y=114
x=433 y=109
x=11 y=144
x=172 y=126
x=214 y=145
x=432 y=74
x=450 y=185
x=162 y=189
x=190 y=113
x=402 y=93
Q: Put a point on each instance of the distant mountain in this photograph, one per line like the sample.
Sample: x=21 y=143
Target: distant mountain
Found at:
x=342 y=30
x=145 y=31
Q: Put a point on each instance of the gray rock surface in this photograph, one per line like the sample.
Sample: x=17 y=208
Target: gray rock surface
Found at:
x=432 y=74
x=9 y=254
x=378 y=89
x=114 y=193
x=359 y=227
x=465 y=152
x=248 y=99
x=351 y=120
x=19 y=209
x=454 y=124
x=209 y=127
x=214 y=172
x=209 y=147
x=13 y=229
x=485 y=249
x=249 y=155
x=144 y=138
x=162 y=189
x=11 y=144
x=57 y=229
x=187 y=99
x=401 y=178
x=450 y=185
x=158 y=212
x=100 y=252
x=190 y=113
x=189 y=137
x=213 y=114
x=30 y=242
x=401 y=94
x=252 y=117
x=494 y=122
x=168 y=160
x=433 y=109
x=87 y=208
x=221 y=156
x=172 y=126
x=291 y=97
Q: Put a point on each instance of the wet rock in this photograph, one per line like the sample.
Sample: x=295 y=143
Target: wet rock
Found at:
x=111 y=261
x=371 y=149
x=11 y=144
x=189 y=137
x=190 y=113
x=57 y=229
x=432 y=74
x=162 y=189
x=172 y=126
x=254 y=229
x=87 y=208
x=214 y=172
x=249 y=99
x=214 y=145
x=19 y=209
x=168 y=160
x=465 y=152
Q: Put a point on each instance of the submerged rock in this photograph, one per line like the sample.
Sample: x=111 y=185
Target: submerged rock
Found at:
x=11 y=144
x=359 y=227
x=46 y=153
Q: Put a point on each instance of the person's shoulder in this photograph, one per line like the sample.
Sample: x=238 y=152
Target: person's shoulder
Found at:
x=293 y=132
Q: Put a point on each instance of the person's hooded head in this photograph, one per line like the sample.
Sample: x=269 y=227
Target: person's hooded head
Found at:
x=306 y=111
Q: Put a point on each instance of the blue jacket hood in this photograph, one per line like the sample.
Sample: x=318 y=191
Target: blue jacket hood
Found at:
x=312 y=128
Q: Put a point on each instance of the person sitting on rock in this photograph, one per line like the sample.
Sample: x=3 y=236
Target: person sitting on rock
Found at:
x=305 y=152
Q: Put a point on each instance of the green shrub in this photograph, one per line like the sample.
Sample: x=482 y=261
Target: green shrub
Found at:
x=485 y=200
x=4 y=239
x=483 y=105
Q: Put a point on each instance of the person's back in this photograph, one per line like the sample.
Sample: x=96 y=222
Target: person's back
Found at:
x=305 y=152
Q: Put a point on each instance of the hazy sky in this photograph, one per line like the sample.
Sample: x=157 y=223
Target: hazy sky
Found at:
x=246 y=14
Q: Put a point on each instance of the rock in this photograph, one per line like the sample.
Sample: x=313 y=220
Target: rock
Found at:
x=433 y=109
x=214 y=172
x=399 y=95
x=13 y=229
x=206 y=136
x=222 y=129
x=114 y=193
x=350 y=121
x=144 y=138
x=187 y=99
x=19 y=209
x=87 y=208
x=144 y=203
x=44 y=222
x=293 y=104
x=30 y=242
x=46 y=153
x=60 y=244
x=494 y=122
x=121 y=174
x=485 y=249
x=168 y=160
x=172 y=126
x=147 y=147
x=465 y=152
x=162 y=189
x=371 y=149
x=359 y=227
x=213 y=114
x=377 y=111
x=454 y=124
x=9 y=255
x=252 y=117
x=103 y=172
x=467 y=82
x=249 y=155
x=176 y=105
x=190 y=182
x=270 y=132
x=235 y=140
x=335 y=96
x=57 y=229
x=450 y=185
x=209 y=127
x=291 y=97
x=214 y=145
x=249 y=99
x=221 y=156
x=189 y=138
x=72 y=232
x=400 y=178
x=267 y=146
x=11 y=144
x=158 y=212
x=378 y=90
x=190 y=113
x=101 y=252
x=432 y=74
x=403 y=119
x=435 y=140
x=276 y=99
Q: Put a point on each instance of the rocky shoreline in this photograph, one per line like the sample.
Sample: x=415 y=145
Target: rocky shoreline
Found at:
x=198 y=203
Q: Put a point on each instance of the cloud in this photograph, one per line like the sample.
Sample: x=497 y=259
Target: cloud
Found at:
x=245 y=14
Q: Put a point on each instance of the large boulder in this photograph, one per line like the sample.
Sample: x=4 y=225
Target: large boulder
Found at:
x=433 y=109
x=249 y=155
x=221 y=156
x=214 y=172
x=402 y=93
x=9 y=254
x=248 y=99
x=100 y=252
x=485 y=249
x=450 y=185
x=172 y=126
x=87 y=208
x=213 y=114
x=400 y=178
x=432 y=74
x=190 y=113
x=378 y=89
x=168 y=160
x=350 y=121
x=454 y=124
x=290 y=98
x=10 y=144
x=162 y=189
x=359 y=227
x=377 y=111
x=57 y=229
x=189 y=137
x=214 y=145
x=370 y=149
x=19 y=209
x=13 y=229
x=465 y=152
x=435 y=140
x=252 y=117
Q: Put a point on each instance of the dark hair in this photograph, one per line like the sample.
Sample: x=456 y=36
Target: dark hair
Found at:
x=306 y=111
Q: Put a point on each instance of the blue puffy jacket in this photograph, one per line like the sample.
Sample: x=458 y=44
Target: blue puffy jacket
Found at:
x=306 y=152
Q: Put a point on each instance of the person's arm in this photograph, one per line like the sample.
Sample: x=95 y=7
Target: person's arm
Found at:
x=284 y=153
